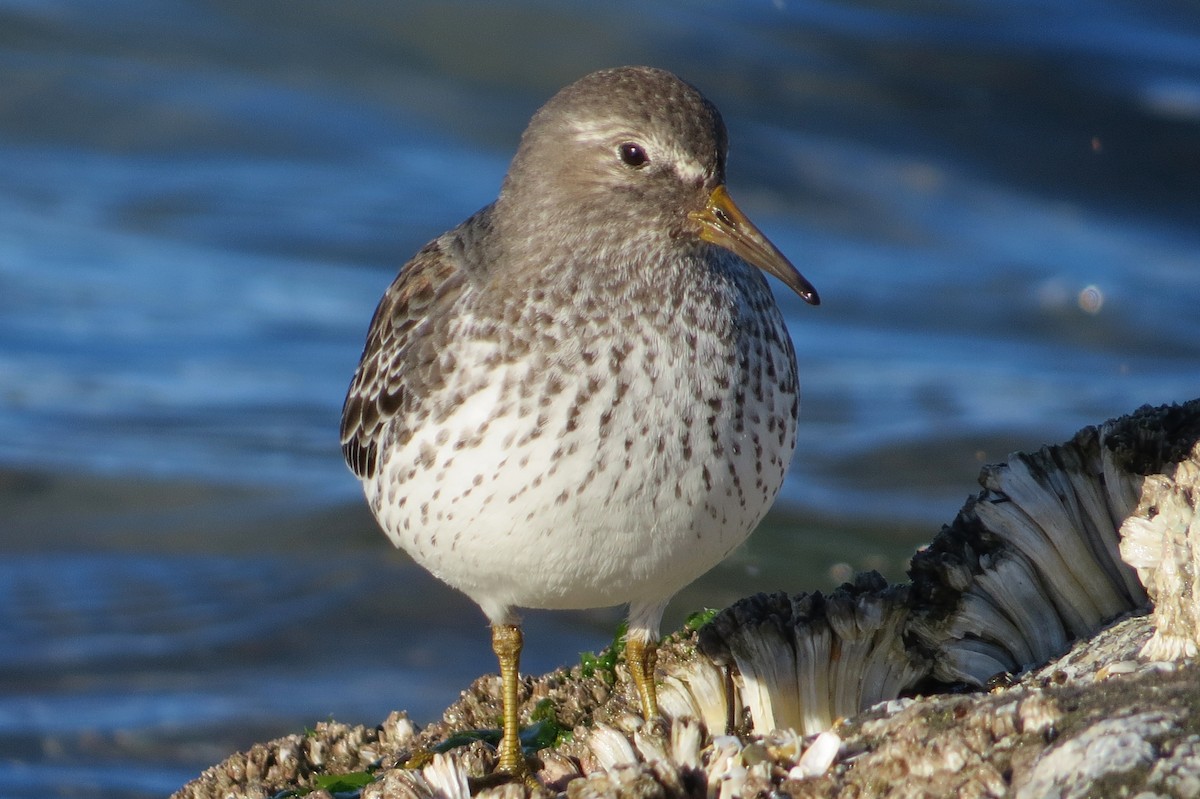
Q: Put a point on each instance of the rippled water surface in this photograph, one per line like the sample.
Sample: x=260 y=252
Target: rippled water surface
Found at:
x=200 y=203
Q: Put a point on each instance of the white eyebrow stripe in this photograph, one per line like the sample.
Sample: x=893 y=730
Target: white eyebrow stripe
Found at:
x=601 y=131
x=614 y=133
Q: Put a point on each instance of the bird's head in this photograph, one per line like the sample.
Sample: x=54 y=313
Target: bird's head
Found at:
x=639 y=152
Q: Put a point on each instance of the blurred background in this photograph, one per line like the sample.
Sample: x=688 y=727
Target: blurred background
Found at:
x=201 y=203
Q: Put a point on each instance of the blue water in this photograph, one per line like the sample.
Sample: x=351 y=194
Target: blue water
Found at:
x=201 y=202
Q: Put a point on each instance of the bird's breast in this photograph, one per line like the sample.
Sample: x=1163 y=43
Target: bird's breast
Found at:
x=619 y=452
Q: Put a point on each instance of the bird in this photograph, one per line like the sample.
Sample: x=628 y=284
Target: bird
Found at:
x=584 y=395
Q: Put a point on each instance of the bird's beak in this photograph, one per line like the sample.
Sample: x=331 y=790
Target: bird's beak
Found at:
x=722 y=223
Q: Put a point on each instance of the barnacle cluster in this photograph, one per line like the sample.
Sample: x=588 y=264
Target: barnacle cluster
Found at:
x=1162 y=541
x=1029 y=564
x=805 y=660
x=329 y=748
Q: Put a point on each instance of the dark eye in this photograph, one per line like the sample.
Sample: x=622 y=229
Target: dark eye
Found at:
x=633 y=155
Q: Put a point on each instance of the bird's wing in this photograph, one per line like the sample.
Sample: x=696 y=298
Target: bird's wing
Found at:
x=399 y=362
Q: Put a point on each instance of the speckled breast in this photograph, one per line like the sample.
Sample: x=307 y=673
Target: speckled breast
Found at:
x=625 y=454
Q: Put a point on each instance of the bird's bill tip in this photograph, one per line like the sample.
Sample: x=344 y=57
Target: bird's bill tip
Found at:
x=722 y=223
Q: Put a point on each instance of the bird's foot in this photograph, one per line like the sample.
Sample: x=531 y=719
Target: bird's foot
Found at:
x=656 y=726
x=507 y=771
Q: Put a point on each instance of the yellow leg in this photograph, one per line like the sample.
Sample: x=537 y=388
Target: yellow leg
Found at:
x=506 y=643
x=641 y=656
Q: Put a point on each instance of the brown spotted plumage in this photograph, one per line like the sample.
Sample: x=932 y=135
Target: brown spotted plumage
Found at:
x=584 y=395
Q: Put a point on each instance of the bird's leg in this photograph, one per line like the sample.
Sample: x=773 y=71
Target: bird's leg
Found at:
x=506 y=643
x=641 y=654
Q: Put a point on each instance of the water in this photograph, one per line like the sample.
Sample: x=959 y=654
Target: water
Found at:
x=200 y=203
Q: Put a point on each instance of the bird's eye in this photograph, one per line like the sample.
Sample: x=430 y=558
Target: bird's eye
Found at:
x=633 y=155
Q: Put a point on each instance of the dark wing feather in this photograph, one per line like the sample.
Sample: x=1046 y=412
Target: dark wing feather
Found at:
x=399 y=362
